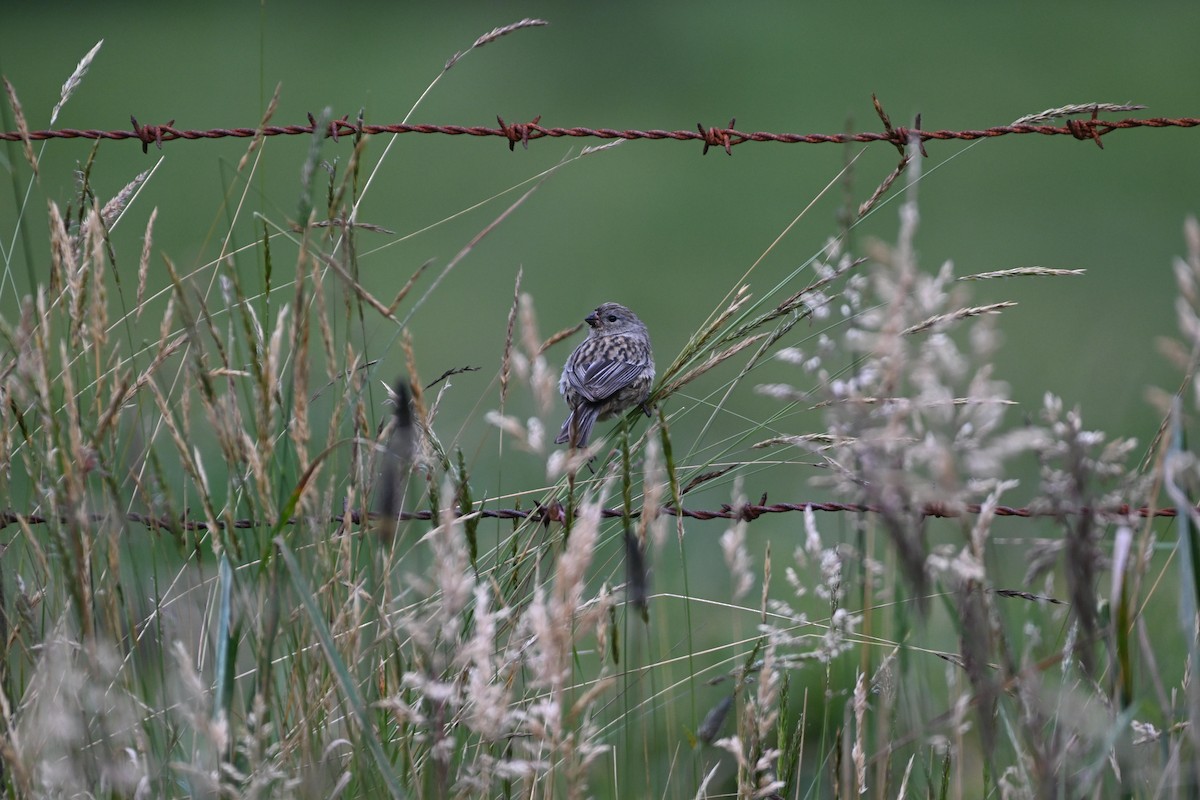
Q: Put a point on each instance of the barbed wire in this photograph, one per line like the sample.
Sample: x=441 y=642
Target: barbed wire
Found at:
x=523 y=133
x=546 y=514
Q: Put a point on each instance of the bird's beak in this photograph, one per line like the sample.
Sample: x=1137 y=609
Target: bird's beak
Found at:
x=592 y=320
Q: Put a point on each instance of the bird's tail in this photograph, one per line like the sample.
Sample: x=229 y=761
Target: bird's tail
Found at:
x=578 y=428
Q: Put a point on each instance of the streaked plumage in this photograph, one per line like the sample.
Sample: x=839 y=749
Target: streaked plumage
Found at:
x=609 y=372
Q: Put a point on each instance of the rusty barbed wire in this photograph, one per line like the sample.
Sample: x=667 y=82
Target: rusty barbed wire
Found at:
x=545 y=514
x=525 y=132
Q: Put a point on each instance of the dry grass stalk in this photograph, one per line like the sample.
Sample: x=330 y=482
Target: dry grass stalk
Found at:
x=111 y=212
x=599 y=148
x=543 y=381
x=814 y=441
x=121 y=394
x=652 y=524
x=733 y=547
x=506 y=357
x=94 y=316
x=698 y=341
x=565 y=333
x=189 y=459
x=858 y=751
x=882 y=188
x=62 y=251
x=504 y=30
x=712 y=361
x=1021 y=272
x=144 y=263
x=70 y=495
x=360 y=290
x=22 y=126
x=407 y=287
x=529 y=436
x=1051 y=114
x=35 y=366
x=940 y=321
x=76 y=78
x=321 y=309
x=257 y=141
x=345 y=225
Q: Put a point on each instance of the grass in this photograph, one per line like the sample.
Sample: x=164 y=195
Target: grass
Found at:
x=210 y=589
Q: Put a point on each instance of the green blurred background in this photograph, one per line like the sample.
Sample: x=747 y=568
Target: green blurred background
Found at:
x=653 y=224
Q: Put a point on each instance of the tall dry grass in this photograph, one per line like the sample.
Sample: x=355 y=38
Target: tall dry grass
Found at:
x=210 y=586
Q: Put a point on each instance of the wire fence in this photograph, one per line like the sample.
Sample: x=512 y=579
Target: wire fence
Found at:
x=725 y=138
x=557 y=513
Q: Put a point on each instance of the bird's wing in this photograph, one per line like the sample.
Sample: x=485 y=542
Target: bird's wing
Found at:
x=605 y=378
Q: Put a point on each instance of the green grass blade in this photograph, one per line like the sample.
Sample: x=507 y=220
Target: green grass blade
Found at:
x=345 y=680
x=226 y=646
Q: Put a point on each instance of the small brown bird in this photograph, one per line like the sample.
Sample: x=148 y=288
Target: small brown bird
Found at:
x=610 y=371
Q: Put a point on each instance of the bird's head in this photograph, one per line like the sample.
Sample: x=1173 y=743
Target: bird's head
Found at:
x=610 y=318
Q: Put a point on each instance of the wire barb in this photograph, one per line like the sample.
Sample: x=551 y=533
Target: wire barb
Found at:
x=518 y=131
x=150 y=134
x=1084 y=129
x=720 y=137
x=898 y=137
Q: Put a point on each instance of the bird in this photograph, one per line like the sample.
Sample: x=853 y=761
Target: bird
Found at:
x=610 y=371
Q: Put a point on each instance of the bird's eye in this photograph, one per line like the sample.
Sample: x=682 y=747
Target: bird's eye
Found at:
x=612 y=317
